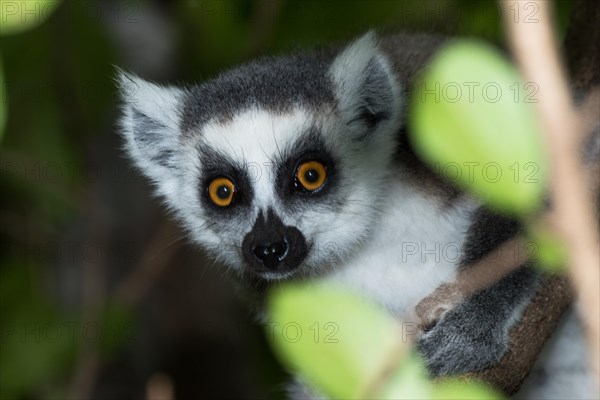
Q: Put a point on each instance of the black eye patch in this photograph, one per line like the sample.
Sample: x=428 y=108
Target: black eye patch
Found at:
x=217 y=165
x=308 y=148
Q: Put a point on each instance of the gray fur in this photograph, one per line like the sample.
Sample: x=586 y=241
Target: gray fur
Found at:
x=274 y=83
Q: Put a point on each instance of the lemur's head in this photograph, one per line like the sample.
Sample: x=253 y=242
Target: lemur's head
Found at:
x=275 y=167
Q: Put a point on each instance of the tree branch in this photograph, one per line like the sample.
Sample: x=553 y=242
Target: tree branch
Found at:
x=535 y=50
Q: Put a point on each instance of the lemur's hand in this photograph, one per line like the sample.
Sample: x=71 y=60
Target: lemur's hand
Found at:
x=472 y=334
x=433 y=307
x=462 y=341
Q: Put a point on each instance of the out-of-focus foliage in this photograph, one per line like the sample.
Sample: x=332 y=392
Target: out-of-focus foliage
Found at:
x=348 y=348
x=14 y=20
x=488 y=143
x=548 y=250
x=339 y=341
x=473 y=120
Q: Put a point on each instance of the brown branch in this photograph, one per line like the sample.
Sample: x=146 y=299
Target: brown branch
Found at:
x=94 y=294
x=155 y=259
x=535 y=49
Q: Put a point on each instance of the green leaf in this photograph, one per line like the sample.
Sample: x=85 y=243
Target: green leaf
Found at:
x=472 y=121
x=550 y=252
x=23 y=15
x=408 y=381
x=341 y=343
x=458 y=390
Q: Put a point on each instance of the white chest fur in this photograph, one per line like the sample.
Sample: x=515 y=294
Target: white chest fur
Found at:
x=416 y=246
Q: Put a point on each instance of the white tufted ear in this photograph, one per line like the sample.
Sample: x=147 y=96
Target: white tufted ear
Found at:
x=150 y=126
x=366 y=89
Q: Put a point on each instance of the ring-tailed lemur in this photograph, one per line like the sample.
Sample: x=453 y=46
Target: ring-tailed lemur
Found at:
x=299 y=167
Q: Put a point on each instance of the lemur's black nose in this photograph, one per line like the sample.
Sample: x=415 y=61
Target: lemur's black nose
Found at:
x=271 y=254
x=272 y=248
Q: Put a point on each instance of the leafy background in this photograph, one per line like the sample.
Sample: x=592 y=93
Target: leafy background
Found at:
x=98 y=292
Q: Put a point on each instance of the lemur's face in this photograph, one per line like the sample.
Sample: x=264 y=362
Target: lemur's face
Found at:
x=277 y=167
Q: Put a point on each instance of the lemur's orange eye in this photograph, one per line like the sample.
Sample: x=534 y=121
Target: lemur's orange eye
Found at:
x=221 y=191
x=311 y=175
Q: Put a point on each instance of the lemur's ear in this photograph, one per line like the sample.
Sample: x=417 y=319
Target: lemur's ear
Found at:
x=150 y=127
x=366 y=88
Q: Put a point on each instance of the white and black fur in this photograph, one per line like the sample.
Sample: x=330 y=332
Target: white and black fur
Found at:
x=345 y=107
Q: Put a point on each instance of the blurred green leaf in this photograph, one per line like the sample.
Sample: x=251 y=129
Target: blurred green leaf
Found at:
x=20 y=16
x=360 y=356
x=550 y=252
x=470 y=119
x=458 y=390
x=339 y=342
x=408 y=381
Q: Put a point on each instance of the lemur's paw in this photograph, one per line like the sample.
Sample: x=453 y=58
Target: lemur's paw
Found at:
x=433 y=307
x=460 y=342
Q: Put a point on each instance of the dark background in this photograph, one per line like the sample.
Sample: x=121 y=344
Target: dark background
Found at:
x=100 y=293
